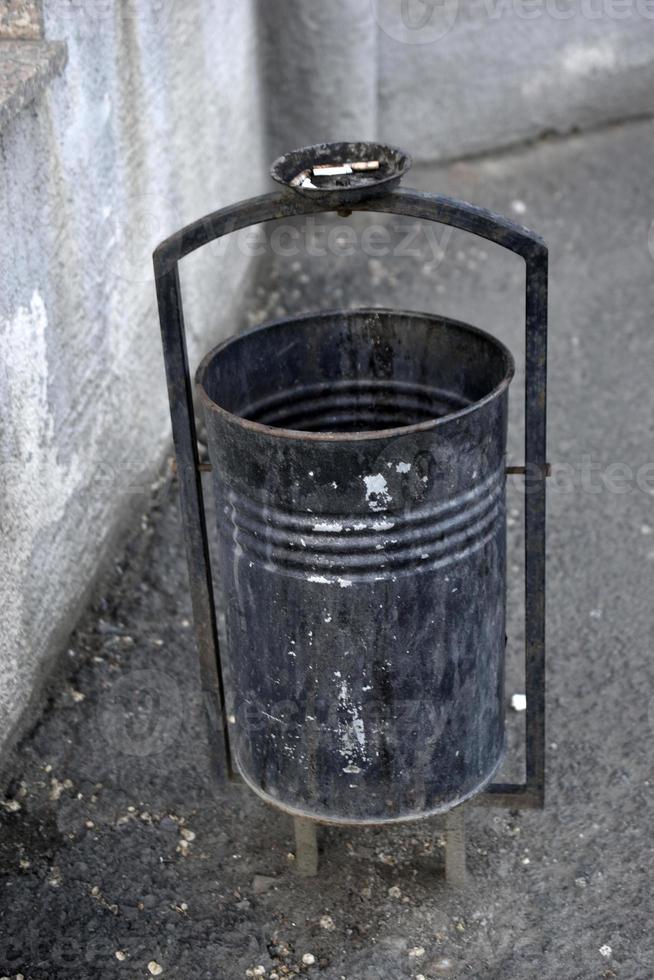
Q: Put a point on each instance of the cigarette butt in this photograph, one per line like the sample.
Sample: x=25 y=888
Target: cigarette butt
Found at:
x=365 y=165
x=331 y=169
x=299 y=178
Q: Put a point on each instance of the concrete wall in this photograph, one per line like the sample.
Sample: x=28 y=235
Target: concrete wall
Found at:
x=319 y=71
x=459 y=77
x=154 y=121
x=450 y=78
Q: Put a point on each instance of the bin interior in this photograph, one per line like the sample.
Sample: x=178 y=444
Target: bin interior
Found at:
x=354 y=370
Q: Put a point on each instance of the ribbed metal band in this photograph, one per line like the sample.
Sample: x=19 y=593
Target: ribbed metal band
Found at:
x=341 y=548
x=357 y=404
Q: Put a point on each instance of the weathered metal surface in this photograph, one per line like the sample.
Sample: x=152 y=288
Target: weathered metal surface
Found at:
x=339 y=190
x=192 y=507
x=455 y=848
x=475 y=220
x=306 y=847
x=358 y=463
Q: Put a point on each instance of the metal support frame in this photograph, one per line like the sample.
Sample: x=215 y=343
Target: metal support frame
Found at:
x=306 y=847
x=455 y=847
x=419 y=205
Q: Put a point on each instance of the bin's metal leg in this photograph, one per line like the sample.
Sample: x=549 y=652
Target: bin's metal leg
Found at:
x=306 y=847
x=455 y=847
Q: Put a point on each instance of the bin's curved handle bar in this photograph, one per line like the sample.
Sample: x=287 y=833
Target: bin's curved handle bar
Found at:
x=416 y=204
x=287 y=204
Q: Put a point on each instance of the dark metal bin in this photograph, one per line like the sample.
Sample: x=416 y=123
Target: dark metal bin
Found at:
x=358 y=461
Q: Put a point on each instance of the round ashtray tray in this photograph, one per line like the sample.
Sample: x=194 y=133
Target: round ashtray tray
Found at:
x=339 y=173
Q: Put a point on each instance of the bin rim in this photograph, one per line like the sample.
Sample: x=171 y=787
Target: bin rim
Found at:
x=363 y=435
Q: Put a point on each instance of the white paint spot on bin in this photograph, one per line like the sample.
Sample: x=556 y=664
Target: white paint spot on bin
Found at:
x=328 y=526
x=519 y=702
x=377 y=492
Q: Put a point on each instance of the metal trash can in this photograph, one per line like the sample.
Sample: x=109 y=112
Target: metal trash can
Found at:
x=358 y=460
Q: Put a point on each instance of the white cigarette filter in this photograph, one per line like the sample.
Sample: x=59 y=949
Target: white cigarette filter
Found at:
x=299 y=179
x=331 y=170
x=365 y=165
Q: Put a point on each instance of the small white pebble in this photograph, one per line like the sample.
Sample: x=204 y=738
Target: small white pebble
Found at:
x=154 y=968
x=231 y=719
x=308 y=959
x=77 y=695
x=605 y=951
x=188 y=835
x=55 y=878
x=394 y=892
x=326 y=922
x=13 y=806
x=120 y=955
x=416 y=952
x=519 y=702
x=596 y=614
x=89 y=824
x=525 y=860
